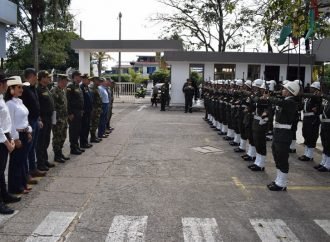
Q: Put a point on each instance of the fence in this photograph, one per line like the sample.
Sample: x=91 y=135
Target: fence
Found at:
x=124 y=92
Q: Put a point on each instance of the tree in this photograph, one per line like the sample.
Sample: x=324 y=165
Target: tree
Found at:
x=273 y=15
x=35 y=15
x=100 y=57
x=160 y=76
x=55 y=49
x=214 y=25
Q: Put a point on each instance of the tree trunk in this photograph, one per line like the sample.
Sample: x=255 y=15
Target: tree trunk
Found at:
x=99 y=66
x=34 y=26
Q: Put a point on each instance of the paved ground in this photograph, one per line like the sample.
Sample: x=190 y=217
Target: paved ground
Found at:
x=147 y=183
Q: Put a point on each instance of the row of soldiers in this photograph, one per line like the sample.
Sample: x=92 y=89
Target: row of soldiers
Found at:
x=248 y=113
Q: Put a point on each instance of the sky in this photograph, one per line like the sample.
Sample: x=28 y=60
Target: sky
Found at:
x=100 y=21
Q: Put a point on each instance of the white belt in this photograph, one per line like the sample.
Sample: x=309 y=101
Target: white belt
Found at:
x=326 y=120
x=282 y=126
x=256 y=117
x=309 y=114
x=237 y=106
x=244 y=106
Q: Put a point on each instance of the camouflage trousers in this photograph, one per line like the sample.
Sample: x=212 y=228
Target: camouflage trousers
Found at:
x=95 y=119
x=59 y=136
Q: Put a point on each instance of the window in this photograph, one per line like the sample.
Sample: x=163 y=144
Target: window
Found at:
x=253 y=72
x=224 y=71
x=292 y=73
x=196 y=71
x=151 y=69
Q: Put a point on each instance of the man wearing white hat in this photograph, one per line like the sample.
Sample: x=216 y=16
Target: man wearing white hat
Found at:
x=311 y=121
x=285 y=115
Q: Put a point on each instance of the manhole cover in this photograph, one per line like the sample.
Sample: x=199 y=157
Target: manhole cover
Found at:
x=207 y=150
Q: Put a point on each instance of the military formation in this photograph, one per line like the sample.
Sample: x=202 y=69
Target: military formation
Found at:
x=33 y=108
x=249 y=113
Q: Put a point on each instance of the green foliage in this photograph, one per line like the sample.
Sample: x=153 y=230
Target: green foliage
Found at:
x=160 y=76
x=124 y=77
x=136 y=77
x=55 y=51
x=196 y=77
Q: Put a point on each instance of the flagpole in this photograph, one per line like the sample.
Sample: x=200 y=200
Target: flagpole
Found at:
x=299 y=63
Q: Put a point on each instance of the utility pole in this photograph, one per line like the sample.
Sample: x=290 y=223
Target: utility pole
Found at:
x=80 y=28
x=119 y=65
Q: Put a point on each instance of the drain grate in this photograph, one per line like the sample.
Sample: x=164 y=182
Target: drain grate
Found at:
x=207 y=150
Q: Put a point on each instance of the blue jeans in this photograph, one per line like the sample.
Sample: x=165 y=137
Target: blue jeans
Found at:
x=32 y=146
x=103 y=119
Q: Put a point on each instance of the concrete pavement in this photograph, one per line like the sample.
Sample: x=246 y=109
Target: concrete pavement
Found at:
x=150 y=181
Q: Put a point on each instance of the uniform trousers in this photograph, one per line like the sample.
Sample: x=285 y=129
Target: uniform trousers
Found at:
x=44 y=141
x=259 y=137
x=17 y=179
x=74 y=129
x=85 y=127
x=310 y=130
x=281 y=148
x=325 y=138
x=59 y=136
x=95 y=120
x=188 y=103
x=3 y=164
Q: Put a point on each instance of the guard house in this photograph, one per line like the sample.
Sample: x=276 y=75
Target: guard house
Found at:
x=8 y=16
x=235 y=65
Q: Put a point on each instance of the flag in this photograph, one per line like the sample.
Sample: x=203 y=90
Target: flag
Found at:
x=285 y=32
x=295 y=40
x=311 y=28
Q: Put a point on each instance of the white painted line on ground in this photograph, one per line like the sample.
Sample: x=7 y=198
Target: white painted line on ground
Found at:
x=127 y=228
x=141 y=108
x=200 y=230
x=273 y=230
x=5 y=218
x=201 y=150
x=212 y=149
x=324 y=224
x=52 y=227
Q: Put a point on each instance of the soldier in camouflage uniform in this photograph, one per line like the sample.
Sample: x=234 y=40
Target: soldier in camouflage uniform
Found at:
x=60 y=127
x=97 y=108
x=75 y=110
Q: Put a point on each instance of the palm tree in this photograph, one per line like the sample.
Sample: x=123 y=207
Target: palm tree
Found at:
x=101 y=57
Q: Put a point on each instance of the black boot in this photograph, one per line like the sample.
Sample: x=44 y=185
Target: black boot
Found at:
x=65 y=157
x=5 y=210
x=8 y=198
x=58 y=158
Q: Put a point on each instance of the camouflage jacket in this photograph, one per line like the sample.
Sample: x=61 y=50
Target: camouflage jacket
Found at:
x=60 y=103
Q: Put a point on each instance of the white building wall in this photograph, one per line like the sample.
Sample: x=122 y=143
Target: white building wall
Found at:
x=241 y=70
x=179 y=75
x=180 y=72
x=84 y=62
x=208 y=71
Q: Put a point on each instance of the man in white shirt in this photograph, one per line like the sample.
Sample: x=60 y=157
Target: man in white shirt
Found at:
x=7 y=145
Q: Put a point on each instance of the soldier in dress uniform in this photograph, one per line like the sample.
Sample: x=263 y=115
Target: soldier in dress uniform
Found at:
x=86 y=117
x=97 y=109
x=311 y=121
x=46 y=113
x=324 y=166
x=60 y=124
x=259 y=127
x=75 y=109
x=285 y=115
x=243 y=117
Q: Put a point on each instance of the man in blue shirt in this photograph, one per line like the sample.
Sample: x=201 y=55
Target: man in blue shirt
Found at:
x=105 y=108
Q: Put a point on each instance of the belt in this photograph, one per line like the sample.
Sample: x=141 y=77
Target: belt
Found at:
x=256 y=117
x=309 y=114
x=23 y=130
x=326 y=120
x=282 y=126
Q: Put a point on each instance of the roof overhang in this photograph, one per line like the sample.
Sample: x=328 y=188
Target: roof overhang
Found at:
x=8 y=12
x=321 y=49
x=239 y=57
x=126 y=45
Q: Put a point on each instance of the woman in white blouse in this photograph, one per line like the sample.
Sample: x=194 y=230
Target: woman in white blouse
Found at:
x=21 y=133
